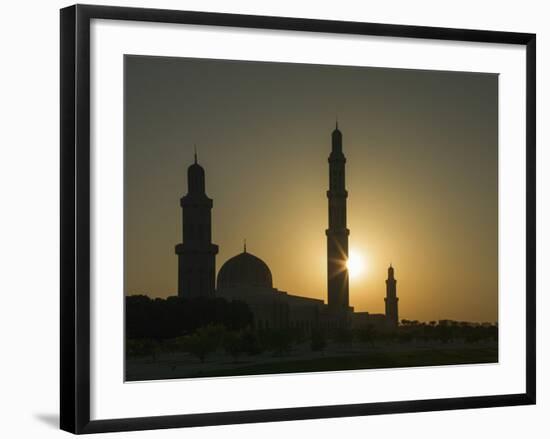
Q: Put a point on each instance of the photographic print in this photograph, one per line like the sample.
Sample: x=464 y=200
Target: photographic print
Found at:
x=255 y=203
x=291 y=218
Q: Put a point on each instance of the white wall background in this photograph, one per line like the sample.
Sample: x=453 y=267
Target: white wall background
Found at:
x=29 y=248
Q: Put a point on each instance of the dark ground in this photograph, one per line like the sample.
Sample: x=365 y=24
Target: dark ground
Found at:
x=184 y=366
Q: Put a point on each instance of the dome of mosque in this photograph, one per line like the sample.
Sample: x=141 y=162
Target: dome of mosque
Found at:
x=244 y=270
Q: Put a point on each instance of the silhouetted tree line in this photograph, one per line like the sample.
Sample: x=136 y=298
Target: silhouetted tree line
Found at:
x=446 y=331
x=173 y=317
x=409 y=331
x=203 y=326
x=207 y=339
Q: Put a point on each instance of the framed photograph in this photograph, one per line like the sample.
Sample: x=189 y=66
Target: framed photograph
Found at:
x=268 y=219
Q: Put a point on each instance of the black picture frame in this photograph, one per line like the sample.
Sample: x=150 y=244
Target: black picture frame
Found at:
x=75 y=217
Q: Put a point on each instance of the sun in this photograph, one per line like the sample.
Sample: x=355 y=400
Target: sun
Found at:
x=355 y=264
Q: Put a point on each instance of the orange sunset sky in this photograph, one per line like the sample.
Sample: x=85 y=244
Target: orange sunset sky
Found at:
x=422 y=176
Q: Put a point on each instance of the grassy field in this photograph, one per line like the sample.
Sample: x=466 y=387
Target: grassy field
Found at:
x=376 y=360
x=408 y=357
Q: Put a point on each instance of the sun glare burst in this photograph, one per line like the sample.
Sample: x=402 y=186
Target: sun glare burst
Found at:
x=356 y=264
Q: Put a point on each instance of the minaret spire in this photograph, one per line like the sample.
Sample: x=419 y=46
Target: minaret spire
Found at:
x=196 y=154
x=196 y=275
x=391 y=299
x=244 y=245
x=337 y=231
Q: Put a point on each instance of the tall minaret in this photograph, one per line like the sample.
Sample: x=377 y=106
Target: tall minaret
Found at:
x=391 y=299
x=197 y=254
x=337 y=232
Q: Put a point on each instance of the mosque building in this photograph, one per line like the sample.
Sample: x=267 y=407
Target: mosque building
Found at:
x=247 y=278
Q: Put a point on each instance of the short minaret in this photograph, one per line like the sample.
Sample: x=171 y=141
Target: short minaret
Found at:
x=337 y=232
x=197 y=254
x=391 y=299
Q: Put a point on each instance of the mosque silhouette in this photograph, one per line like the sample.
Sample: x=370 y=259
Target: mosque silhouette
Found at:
x=247 y=278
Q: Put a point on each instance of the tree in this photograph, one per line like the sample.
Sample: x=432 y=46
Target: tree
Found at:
x=277 y=340
x=234 y=344
x=175 y=316
x=170 y=345
x=251 y=342
x=142 y=347
x=203 y=342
